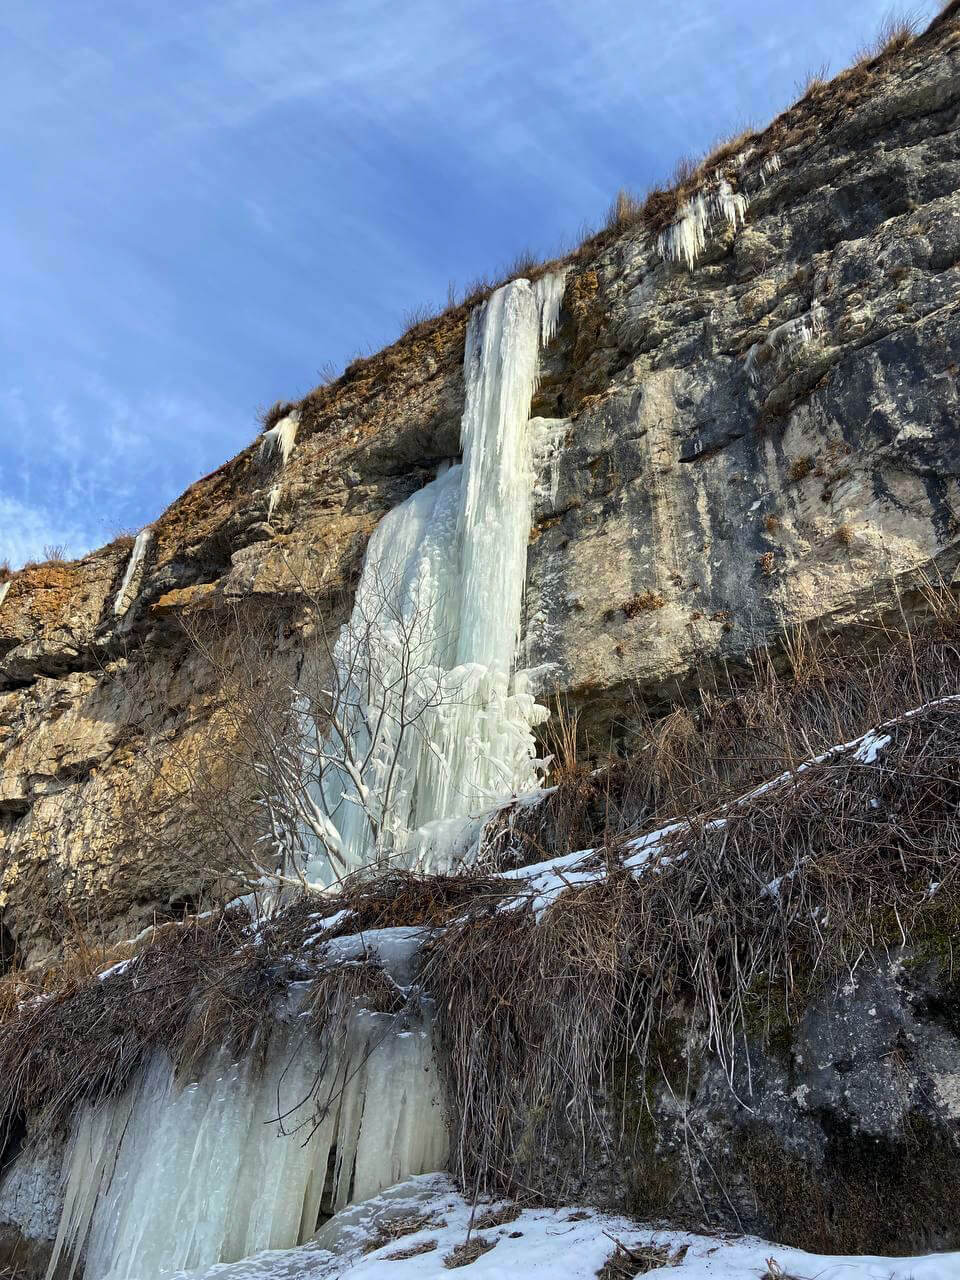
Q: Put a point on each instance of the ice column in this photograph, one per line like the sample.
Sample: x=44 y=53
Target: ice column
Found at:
x=444 y=574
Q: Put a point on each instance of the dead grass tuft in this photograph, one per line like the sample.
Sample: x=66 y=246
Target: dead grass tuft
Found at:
x=381 y=900
x=625 y=1263
x=496 y=1217
x=414 y=1251
x=275 y=413
x=391 y=1229
x=643 y=602
x=799 y=468
x=897 y=31
x=468 y=1252
x=6 y=573
x=814 y=82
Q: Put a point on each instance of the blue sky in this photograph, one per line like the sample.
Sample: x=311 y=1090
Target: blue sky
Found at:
x=206 y=203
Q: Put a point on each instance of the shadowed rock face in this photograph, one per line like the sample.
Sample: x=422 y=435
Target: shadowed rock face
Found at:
x=842 y=1134
x=720 y=480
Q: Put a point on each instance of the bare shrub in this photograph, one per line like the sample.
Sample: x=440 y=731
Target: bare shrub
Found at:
x=55 y=551
x=286 y=752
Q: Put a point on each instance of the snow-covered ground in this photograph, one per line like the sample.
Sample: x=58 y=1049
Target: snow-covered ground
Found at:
x=361 y=1243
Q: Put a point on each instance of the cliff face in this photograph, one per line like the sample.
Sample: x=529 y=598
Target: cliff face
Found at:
x=763 y=440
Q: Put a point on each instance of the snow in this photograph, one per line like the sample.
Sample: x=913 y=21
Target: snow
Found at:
x=567 y=1243
x=444 y=577
x=123 y=598
x=870 y=747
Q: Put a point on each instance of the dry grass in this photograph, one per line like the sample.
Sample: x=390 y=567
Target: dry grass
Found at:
x=380 y=900
x=414 y=1251
x=736 y=730
x=625 y=1263
x=643 y=602
x=468 y=1252
x=68 y=1035
x=800 y=467
x=6 y=573
x=814 y=82
x=732 y=925
x=897 y=31
x=391 y=1229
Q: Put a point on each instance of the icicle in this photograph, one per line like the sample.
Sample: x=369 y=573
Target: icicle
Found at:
x=281 y=438
x=686 y=238
x=447 y=568
x=166 y=1178
x=273 y=497
x=800 y=331
x=4 y=588
x=134 y=571
x=770 y=166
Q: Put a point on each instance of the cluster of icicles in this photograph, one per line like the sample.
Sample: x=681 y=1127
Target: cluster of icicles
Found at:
x=169 y=1177
x=250 y=1156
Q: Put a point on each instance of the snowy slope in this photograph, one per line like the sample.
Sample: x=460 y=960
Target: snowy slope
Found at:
x=564 y=1244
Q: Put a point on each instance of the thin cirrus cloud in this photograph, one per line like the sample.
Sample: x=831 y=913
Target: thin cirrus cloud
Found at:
x=206 y=204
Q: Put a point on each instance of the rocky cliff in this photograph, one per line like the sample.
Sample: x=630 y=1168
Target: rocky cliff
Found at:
x=757 y=434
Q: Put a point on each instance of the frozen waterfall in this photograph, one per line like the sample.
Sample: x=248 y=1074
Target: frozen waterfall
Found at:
x=432 y=723
x=166 y=1178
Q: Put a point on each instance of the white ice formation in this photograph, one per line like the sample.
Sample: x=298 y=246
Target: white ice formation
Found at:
x=798 y=332
x=133 y=573
x=439 y=717
x=281 y=438
x=168 y=1177
x=686 y=237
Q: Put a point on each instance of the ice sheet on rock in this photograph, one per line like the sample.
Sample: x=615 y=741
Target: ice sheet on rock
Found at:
x=397 y=949
x=133 y=572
